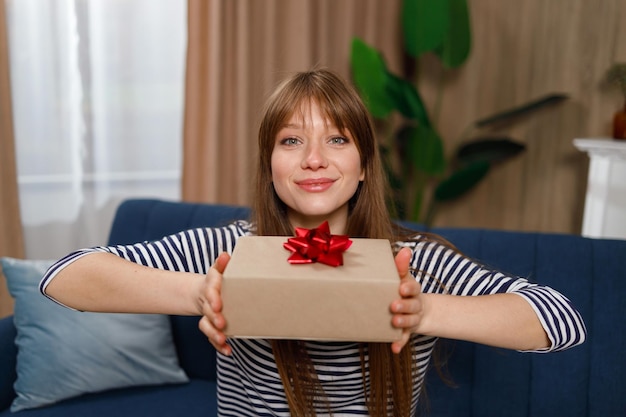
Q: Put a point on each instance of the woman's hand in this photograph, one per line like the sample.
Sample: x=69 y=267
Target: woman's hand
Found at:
x=407 y=310
x=213 y=323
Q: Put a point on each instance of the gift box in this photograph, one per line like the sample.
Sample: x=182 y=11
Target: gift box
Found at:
x=265 y=296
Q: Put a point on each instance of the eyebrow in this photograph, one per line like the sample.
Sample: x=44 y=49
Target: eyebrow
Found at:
x=329 y=125
x=300 y=126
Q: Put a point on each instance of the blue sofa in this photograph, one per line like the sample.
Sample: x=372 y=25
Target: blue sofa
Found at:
x=588 y=380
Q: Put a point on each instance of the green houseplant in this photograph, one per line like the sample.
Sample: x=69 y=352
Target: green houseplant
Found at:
x=421 y=174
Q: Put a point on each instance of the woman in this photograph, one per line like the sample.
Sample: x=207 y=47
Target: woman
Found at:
x=318 y=161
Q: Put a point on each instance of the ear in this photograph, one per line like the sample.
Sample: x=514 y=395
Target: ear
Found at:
x=362 y=176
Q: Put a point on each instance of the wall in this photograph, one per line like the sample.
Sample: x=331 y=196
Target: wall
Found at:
x=522 y=50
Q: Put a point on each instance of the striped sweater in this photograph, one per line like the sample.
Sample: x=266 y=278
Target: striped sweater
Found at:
x=248 y=381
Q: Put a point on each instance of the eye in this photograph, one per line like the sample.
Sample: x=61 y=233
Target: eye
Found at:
x=338 y=140
x=290 y=141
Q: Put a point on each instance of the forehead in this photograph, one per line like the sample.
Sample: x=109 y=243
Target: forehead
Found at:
x=308 y=113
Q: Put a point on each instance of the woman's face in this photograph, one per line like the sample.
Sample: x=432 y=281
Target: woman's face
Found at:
x=316 y=169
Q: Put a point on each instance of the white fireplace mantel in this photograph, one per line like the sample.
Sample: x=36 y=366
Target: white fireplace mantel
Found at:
x=605 y=202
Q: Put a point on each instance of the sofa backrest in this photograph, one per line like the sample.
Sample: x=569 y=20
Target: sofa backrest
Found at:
x=138 y=220
x=588 y=380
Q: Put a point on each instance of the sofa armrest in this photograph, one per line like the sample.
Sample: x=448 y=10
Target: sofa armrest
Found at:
x=8 y=361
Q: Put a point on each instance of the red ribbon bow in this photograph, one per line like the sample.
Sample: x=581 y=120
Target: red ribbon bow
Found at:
x=317 y=245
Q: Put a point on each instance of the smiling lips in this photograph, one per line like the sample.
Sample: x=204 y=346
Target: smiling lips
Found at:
x=314 y=185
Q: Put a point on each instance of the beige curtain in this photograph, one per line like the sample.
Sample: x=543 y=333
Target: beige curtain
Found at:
x=237 y=51
x=11 y=240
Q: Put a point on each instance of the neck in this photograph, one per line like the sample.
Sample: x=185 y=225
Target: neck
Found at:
x=336 y=221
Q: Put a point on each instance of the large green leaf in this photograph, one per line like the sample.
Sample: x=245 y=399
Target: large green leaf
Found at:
x=458 y=38
x=505 y=115
x=370 y=76
x=488 y=149
x=424 y=25
x=461 y=181
x=423 y=149
x=407 y=99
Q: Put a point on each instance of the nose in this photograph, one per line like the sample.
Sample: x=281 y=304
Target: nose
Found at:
x=314 y=157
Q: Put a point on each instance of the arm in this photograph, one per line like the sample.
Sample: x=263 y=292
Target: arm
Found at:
x=165 y=276
x=104 y=282
x=502 y=320
x=454 y=297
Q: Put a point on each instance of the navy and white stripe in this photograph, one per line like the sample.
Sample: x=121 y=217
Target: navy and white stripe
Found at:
x=248 y=381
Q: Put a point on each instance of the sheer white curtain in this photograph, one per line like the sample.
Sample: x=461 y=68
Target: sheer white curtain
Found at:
x=98 y=103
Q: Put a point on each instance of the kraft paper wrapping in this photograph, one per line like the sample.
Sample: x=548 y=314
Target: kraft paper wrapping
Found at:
x=264 y=296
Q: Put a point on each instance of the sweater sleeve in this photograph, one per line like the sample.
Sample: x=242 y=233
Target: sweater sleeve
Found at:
x=192 y=250
x=440 y=269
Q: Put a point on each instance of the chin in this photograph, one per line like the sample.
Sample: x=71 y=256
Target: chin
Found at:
x=319 y=213
x=318 y=210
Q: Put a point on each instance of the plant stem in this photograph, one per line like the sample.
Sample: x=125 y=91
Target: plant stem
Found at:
x=430 y=214
x=438 y=100
x=418 y=200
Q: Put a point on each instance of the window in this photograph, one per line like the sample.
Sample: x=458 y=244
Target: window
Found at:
x=98 y=89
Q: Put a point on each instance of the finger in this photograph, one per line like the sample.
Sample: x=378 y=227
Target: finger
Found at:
x=215 y=337
x=214 y=295
x=406 y=306
x=398 y=345
x=402 y=259
x=406 y=322
x=215 y=318
x=214 y=289
x=409 y=287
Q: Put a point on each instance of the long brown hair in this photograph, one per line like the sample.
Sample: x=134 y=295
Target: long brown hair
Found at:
x=390 y=383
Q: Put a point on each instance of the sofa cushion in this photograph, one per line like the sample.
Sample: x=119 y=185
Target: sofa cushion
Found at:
x=64 y=353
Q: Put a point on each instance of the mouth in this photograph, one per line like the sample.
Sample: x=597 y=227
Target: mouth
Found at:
x=315 y=184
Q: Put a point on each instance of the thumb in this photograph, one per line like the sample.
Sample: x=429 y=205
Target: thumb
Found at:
x=402 y=260
x=221 y=262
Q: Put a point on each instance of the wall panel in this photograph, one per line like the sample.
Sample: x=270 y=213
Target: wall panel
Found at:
x=521 y=51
